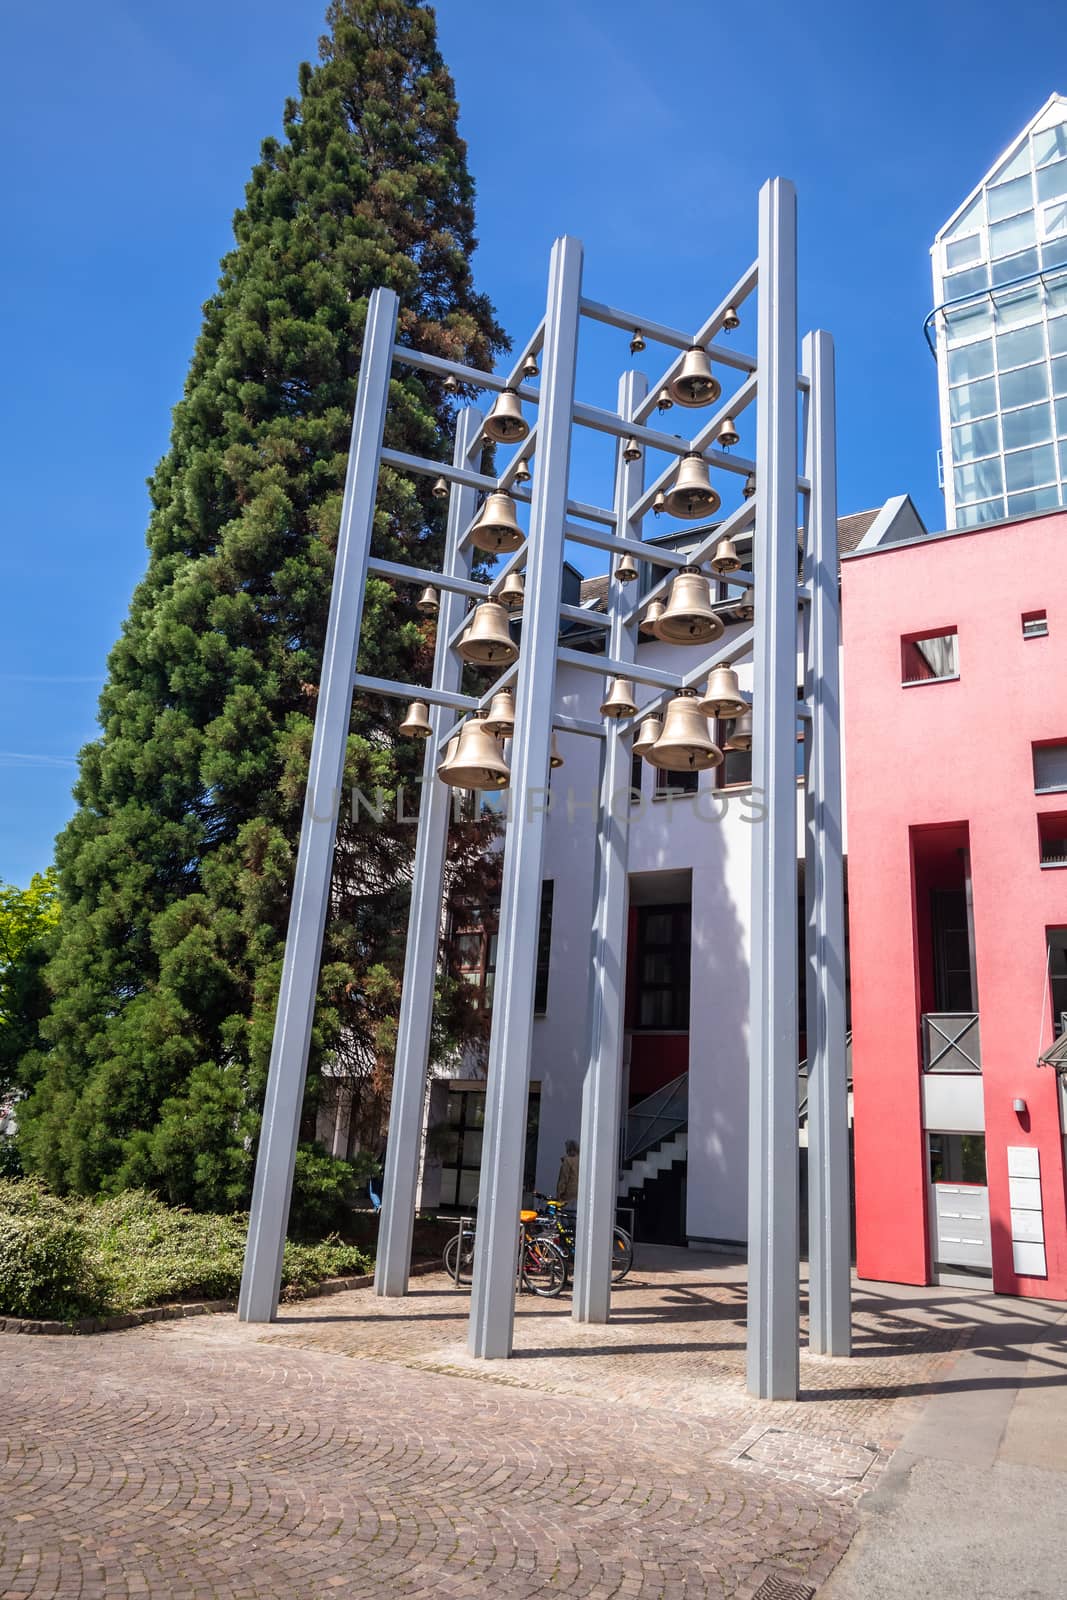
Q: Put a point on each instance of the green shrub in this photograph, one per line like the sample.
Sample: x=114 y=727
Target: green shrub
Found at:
x=323 y=1191
x=10 y=1158
x=44 y=1268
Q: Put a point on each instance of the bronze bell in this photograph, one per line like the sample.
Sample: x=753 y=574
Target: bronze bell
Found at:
x=659 y=504
x=505 y=422
x=647 y=734
x=637 y=343
x=726 y=558
x=474 y=759
x=730 y=320
x=688 y=617
x=428 y=602
x=440 y=489
x=625 y=570
x=497 y=527
x=692 y=495
x=631 y=450
x=530 y=369
x=722 y=697
x=745 y=611
x=694 y=384
x=500 y=718
x=554 y=758
x=663 y=400
x=651 y=617
x=620 y=702
x=416 y=723
x=741 y=736
x=685 y=745
x=450 y=385
x=487 y=642
x=728 y=434
x=512 y=591
x=750 y=487
x=522 y=472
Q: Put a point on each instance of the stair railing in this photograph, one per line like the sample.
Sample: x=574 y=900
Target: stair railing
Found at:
x=657 y=1117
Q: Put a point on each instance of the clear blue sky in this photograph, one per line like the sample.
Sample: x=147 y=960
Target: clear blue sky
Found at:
x=132 y=130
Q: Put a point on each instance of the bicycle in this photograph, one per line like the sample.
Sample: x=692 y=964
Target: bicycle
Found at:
x=542 y=1265
x=563 y=1219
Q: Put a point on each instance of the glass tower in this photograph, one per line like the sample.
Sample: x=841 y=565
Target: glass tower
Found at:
x=999 y=330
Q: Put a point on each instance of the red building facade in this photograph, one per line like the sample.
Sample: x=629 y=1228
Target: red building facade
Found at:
x=955 y=704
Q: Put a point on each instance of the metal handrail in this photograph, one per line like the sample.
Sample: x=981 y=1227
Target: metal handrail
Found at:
x=662 y=1113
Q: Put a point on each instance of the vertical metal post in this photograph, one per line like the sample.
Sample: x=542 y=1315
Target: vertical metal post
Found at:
x=403 y=1148
x=598 y=1170
x=773 y=1243
x=272 y=1190
x=829 y=1222
x=504 y=1134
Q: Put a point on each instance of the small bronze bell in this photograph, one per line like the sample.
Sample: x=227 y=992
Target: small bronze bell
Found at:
x=647 y=734
x=631 y=450
x=741 y=734
x=663 y=400
x=440 y=489
x=620 y=702
x=685 y=745
x=745 y=611
x=722 y=697
x=512 y=592
x=750 y=487
x=416 y=724
x=730 y=320
x=474 y=759
x=726 y=558
x=695 y=384
x=728 y=434
x=428 y=603
x=692 y=496
x=487 y=642
x=659 y=504
x=500 y=718
x=522 y=472
x=497 y=527
x=688 y=617
x=625 y=570
x=505 y=422
x=554 y=758
x=450 y=384
x=530 y=369
x=637 y=343
x=648 y=622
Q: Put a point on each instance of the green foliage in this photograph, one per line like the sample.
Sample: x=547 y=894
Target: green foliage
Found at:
x=176 y=869
x=28 y=922
x=68 y=1258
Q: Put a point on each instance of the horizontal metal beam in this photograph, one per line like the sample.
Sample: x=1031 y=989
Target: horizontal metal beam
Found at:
x=438 y=469
x=735 y=523
x=596 y=311
x=582 y=614
x=412 y=691
x=656 y=555
x=728 y=652
x=734 y=297
x=610 y=422
x=422 y=576
x=608 y=667
x=733 y=408
x=470 y=375
x=565 y=724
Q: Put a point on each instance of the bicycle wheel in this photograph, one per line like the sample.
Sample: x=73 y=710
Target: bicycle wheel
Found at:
x=463 y=1243
x=544 y=1270
x=622 y=1254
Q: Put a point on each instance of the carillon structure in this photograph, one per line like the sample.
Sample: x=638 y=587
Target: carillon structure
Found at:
x=502 y=736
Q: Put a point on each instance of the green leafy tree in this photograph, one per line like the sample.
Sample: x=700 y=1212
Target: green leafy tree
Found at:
x=176 y=868
x=28 y=922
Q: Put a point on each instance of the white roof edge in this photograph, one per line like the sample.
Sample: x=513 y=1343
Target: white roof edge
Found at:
x=1009 y=150
x=883 y=522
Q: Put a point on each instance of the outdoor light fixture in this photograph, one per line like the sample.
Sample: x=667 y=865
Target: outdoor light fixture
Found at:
x=620 y=702
x=685 y=745
x=728 y=434
x=730 y=320
x=530 y=369
x=722 y=697
x=695 y=384
x=741 y=734
x=647 y=734
x=416 y=724
x=1019 y=1107
x=428 y=602
x=688 y=617
x=487 y=642
x=725 y=558
x=631 y=450
x=440 y=489
x=512 y=592
x=500 y=718
x=625 y=569
x=505 y=422
x=663 y=400
x=750 y=487
x=474 y=759
x=648 y=622
x=692 y=496
x=637 y=343
x=497 y=527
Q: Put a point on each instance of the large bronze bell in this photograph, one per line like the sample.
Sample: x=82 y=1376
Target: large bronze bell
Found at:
x=497 y=528
x=625 y=569
x=727 y=434
x=694 y=384
x=692 y=495
x=620 y=702
x=648 y=622
x=647 y=734
x=741 y=736
x=512 y=591
x=487 y=642
x=505 y=422
x=500 y=718
x=416 y=724
x=428 y=603
x=474 y=759
x=722 y=697
x=726 y=558
x=688 y=617
x=685 y=745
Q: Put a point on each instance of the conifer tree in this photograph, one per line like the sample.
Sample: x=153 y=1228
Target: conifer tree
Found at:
x=176 y=869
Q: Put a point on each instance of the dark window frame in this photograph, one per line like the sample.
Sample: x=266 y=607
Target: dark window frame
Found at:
x=917 y=668
x=676 y=947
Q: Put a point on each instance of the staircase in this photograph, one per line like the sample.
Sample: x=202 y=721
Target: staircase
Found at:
x=635 y=1174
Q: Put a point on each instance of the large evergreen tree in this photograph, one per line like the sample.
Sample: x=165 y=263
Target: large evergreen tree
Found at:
x=176 y=869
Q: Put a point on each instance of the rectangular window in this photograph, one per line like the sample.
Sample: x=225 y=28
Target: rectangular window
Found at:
x=957 y=1158
x=1018 y=306
x=544 y=947
x=974 y=439
x=1030 y=501
x=1027 y=469
x=1050 y=767
x=1052 y=182
x=1057 y=336
x=1052 y=838
x=1008 y=198
x=959 y=284
x=969 y=322
x=675 y=783
x=1024 y=387
x=736 y=765
x=1020 y=347
x=1012 y=268
x=929 y=657
x=1015 y=234
x=1031 y=425
x=973 y=361
x=961 y=252
x=1061 y=415
x=663 y=957
x=973 y=400
x=1050 y=144
x=1054 y=254
x=637 y=777
x=1035 y=624
x=1057 y=978
x=1059 y=375
x=1056 y=295
x=977 y=480
x=974 y=515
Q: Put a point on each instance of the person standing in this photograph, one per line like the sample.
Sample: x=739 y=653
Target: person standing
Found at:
x=567 y=1182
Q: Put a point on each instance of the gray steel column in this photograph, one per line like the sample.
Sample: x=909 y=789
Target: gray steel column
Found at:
x=598 y=1171
x=504 y=1134
x=829 y=1224
x=424 y=918
x=773 y=1245
x=272 y=1191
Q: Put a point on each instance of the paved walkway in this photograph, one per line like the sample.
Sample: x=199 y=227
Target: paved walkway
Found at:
x=354 y=1445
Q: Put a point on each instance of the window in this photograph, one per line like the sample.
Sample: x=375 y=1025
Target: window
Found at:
x=1031 y=425
x=473 y=948
x=970 y=322
x=1057 y=978
x=957 y=1158
x=736 y=764
x=1023 y=387
x=974 y=439
x=670 y=783
x=663 y=955
x=961 y=252
x=972 y=400
x=1005 y=238
x=972 y=361
x=978 y=480
x=637 y=775
x=1018 y=306
x=1052 y=182
x=1052 y=838
x=970 y=516
x=971 y=281
x=1026 y=469
x=1031 y=501
x=1011 y=268
x=1008 y=198
x=1035 y=624
x=929 y=657
x=457 y=1141
x=1020 y=347
x=1050 y=144
x=544 y=948
x=1050 y=768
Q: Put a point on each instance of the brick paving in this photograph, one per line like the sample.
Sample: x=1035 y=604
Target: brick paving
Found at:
x=354 y=1445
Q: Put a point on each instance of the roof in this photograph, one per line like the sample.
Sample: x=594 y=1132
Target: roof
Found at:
x=1054 y=104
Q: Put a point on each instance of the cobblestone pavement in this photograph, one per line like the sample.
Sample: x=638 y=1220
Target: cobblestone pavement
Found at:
x=354 y=1445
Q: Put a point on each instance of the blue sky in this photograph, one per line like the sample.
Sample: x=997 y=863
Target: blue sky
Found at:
x=644 y=130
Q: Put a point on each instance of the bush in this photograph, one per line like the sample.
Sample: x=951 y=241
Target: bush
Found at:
x=323 y=1191
x=44 y=1268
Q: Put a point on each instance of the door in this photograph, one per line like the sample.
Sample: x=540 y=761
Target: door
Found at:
x=959 y=1202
